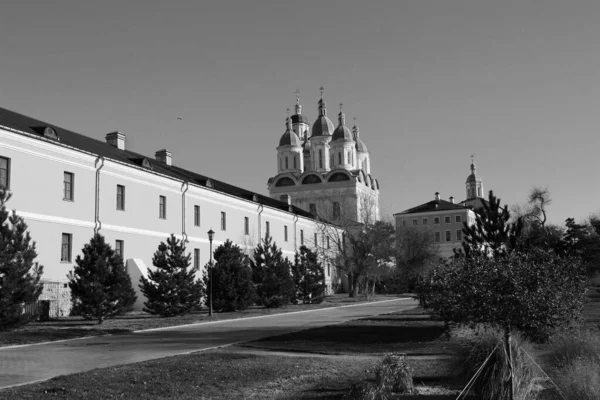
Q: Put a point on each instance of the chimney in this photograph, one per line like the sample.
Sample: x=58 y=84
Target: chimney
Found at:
x=165 y=156
x=116 y=139
x=437 y=196
x=452 y=199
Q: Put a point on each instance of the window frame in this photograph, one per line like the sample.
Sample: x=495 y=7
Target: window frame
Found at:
x=196 y=258
x=120 y=248
x=246 y=226
x=301 y=237
x=459 y=234
x=7 y=178
x=457 y=218
x=285 y=233
x=68 y=194
x=69 y=249
x=223 y=221
x=447 y=219
x=197 y=220
x=162 y=207
x=437 y=237
x=424 y=221
x=415 y=221
x=267 y=229
x=436 y=220
x=121 y=198
x=448 y=236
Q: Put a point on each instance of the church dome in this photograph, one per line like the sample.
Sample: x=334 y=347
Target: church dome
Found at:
x=473 y=178
x=360 y=145
x=323 y=125
x=300 y=119
x=289 y=137
x=342 y=132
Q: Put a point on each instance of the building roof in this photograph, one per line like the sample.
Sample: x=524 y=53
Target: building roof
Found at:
x=289 y=138
x=300 y=119
x=433 y=205
x=24 y=124
x=322 y=126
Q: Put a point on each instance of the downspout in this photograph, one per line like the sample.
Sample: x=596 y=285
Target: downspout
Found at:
x=260 y=210
x=97 y=223
x=295 y=233
x=184 y=235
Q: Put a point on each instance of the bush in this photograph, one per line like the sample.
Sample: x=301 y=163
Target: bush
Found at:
x=491 y=383
x=19 y=274
x=100 y=286
x=394 y=375
x=579 y=379
x=572 y=344
x=232 y=288
x=271 y=274
x=171 y=289
x=309 y=277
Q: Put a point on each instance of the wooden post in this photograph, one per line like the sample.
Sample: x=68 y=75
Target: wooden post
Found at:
x=507 y=340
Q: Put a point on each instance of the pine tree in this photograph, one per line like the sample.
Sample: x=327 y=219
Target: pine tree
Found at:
x=171 y=289
x=100 y=286
x=309 y=276
x=19 y=274
x=232 y=289
x=493 y=233
x=271 y=274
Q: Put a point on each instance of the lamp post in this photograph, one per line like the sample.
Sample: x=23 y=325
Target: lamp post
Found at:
x=211 y=235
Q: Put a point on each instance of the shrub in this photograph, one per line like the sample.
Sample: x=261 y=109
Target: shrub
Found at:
x=100 y=286
x=579 y=379
x=171 y=289
x=232 y=288
x=394 y=375
x=271 y=274
x=19 y=274
x=309 y=276
x=572 y=344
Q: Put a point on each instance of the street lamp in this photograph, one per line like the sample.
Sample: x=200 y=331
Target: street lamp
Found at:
x=211 y=235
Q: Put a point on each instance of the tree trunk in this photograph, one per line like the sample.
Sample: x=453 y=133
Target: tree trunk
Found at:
x=507 y=346
x=355 y=285
x=350 y=284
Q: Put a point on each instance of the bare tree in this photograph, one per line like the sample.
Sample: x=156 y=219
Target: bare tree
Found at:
x=416 y=248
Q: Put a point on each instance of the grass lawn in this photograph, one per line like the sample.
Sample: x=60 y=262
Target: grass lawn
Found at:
x=318 y=363
x=74 y=327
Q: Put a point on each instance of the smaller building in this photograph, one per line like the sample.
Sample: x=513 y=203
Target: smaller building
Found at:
x=445 y=217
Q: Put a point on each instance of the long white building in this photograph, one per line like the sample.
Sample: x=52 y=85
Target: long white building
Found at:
x=68 y=186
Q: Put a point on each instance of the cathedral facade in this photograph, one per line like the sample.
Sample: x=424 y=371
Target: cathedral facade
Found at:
x=325 y=170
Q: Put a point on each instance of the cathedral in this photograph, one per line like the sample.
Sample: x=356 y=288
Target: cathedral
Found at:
x=325 y=170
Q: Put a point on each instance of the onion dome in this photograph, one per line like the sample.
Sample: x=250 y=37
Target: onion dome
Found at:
x=360 y=145
x=323 y=125
x=473 y=178
x=342 y=132
x=289 y=138
x=299 y=118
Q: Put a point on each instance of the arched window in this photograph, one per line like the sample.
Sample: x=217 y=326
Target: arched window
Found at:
x=340 y=158
x=294 y=161
x=280 y=167
x=479 y=191
x=286 y=163
x=320 y=158
x=350 y=159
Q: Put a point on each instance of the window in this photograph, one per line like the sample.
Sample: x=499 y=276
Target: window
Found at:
x=246 y=226
x=312 y=207
x=68 y=182
x=197 y=215
x=65 y=250
x=328 y=247
x=459 y=235
x=286 y=163
x=336 y=210
x=196 y=259
x=120 y=197
x=119 y=248
x=415 y=221
x=424 y=221
x=267 y=229
x=447 y=220
x=479 y=191
x=436 y=220
x=437 y=237
x=301 y=236
x=5 y=172
x=340 y=158
x=320 y=158
x=285 y=237
x=294 y=162
x=457 y=218
x=316 y=241
x=448 y=236
x=162 y=207
x=223 y=221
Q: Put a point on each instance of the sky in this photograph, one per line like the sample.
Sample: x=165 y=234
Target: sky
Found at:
x=515 y=83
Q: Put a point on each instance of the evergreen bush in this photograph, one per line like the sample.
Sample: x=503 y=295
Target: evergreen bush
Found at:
x=309 y=277
x=232 y=288
x=100 y=286
x=171 y=288
x=271 y=275
x=19 y=273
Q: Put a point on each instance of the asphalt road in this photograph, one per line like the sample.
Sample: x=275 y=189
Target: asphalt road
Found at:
x=32 y=363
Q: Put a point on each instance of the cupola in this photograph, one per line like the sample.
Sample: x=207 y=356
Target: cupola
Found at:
x=323 y=125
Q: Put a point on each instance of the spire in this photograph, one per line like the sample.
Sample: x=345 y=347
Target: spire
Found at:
x=298 y=106
x=288 y=121
x=355 y=129
x=472 y=163
x=341 y=116
x=322 y=104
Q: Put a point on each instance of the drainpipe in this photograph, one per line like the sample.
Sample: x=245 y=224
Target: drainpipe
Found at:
x=295 y=233
x=184 y=235
x=97 y=223
x=260 y=210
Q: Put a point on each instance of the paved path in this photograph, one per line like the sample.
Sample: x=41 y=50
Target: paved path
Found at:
x=27 y=364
